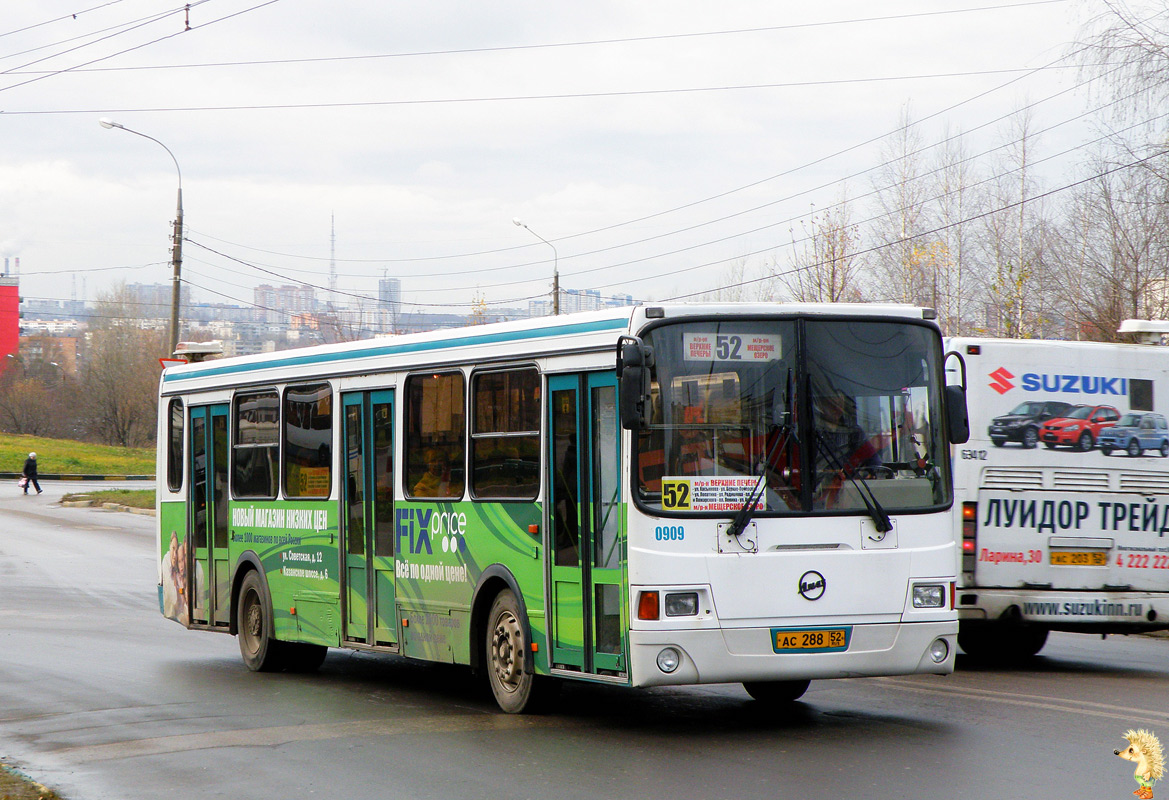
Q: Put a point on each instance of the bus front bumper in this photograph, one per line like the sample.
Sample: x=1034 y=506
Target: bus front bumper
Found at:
x=735 y=655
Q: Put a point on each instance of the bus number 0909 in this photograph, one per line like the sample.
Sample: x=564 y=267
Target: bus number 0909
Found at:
x=669 y=533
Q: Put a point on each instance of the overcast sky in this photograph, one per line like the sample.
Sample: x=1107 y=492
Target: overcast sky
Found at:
x=655 y=144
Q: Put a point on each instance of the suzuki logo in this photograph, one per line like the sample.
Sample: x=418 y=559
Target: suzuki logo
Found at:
x=1001 y=383
x=812 y=585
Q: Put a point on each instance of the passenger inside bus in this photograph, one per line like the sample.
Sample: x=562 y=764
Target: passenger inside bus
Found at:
x=843 y=449
x=436 y=481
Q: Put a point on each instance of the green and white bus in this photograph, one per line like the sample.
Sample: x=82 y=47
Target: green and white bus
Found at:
x=652 y=495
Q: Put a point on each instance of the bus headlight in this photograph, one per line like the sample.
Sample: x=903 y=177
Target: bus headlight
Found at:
x=929 y=595
x=939 y=650
x=669 y=659
x=682 y=604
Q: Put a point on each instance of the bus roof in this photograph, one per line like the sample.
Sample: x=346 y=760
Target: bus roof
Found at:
x=578 y=332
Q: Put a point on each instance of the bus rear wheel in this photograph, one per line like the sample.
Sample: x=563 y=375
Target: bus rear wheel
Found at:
x=261 y=653
x=516 y=687
x=776 y=692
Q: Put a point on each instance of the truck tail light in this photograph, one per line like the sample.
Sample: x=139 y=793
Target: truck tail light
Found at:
x=969 y=535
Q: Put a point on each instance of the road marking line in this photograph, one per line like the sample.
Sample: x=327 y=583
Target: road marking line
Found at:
x=1081 y=707
x=287 y=734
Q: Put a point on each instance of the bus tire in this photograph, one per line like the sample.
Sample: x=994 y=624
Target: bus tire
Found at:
x=776 y=692
x=261 y=653
x=514 y=684
x=303 y=657
x=1001 y=642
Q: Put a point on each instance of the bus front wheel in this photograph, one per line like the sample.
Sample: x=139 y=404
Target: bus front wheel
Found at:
x=260 y=651
x=516 y=687
x=775 y=692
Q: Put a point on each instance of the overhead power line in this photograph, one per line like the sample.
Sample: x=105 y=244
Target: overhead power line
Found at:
x=586 y=43
x=74 y=15
x=510 y=98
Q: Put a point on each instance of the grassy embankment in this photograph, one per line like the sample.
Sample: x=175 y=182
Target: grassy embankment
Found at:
x=80 y=458
x=16 y=786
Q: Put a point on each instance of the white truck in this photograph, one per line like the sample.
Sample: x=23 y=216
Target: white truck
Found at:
x=1062 y=491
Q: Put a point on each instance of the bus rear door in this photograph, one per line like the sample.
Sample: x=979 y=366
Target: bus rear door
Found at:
x=367 y=516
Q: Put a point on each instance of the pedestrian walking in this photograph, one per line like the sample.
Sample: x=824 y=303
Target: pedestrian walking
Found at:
x=30 y=473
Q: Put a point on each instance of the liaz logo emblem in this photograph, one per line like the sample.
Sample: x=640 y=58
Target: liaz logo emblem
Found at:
x=1002 y=381
x=812 y=585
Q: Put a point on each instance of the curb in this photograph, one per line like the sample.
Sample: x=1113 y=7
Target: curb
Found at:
x=105 y=505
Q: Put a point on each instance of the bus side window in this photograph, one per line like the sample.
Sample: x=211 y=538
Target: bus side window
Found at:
x=436 y=436
x=505 y=435
x=174 y=451
x=256 y=445
x=308 y=440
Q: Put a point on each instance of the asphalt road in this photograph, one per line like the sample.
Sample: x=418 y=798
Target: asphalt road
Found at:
x=103 y=699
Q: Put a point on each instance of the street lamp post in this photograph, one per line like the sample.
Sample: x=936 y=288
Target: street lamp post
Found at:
x=177 y=249
x=555 y=265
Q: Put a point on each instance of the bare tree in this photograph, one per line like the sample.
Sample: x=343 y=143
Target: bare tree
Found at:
x=1016 y=239
x=1127 y=44
x=901 y=199
x=824 y=265
x=121 y=373
x=738 y=283
x=952 y=254
x=1115 y=247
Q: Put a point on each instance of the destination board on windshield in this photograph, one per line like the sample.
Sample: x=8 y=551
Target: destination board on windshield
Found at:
x=708 y=494
x=730 y=347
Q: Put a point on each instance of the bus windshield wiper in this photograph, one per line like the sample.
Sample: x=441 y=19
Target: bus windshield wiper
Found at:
x=784 y=434
x=876 y=511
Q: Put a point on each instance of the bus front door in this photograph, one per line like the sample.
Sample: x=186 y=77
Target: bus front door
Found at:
x=207 y=575
x=586 y=551
x=367 y=516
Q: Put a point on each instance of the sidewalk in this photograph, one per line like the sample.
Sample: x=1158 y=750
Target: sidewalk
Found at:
x=74 y=476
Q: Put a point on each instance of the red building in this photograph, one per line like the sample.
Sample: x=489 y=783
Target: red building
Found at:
x=9 y=320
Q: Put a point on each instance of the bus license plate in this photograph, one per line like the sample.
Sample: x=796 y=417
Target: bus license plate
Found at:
x=1079 y=559
x=803 y=640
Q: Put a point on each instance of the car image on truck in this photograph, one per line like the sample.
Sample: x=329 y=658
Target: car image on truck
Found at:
x=1021 y=423
x=1079 y=428
x=1135 y=433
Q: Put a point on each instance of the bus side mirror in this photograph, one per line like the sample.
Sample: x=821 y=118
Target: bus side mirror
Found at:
x=633 y=362
x=956 y=414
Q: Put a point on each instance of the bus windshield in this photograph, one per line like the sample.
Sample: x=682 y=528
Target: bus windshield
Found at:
x=830 y=410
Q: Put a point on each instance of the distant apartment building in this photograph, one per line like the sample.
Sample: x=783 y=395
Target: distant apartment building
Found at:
x=278 y=305
x=389 y=303
x=154 y=300
x=45 y=354
x=575 y=300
